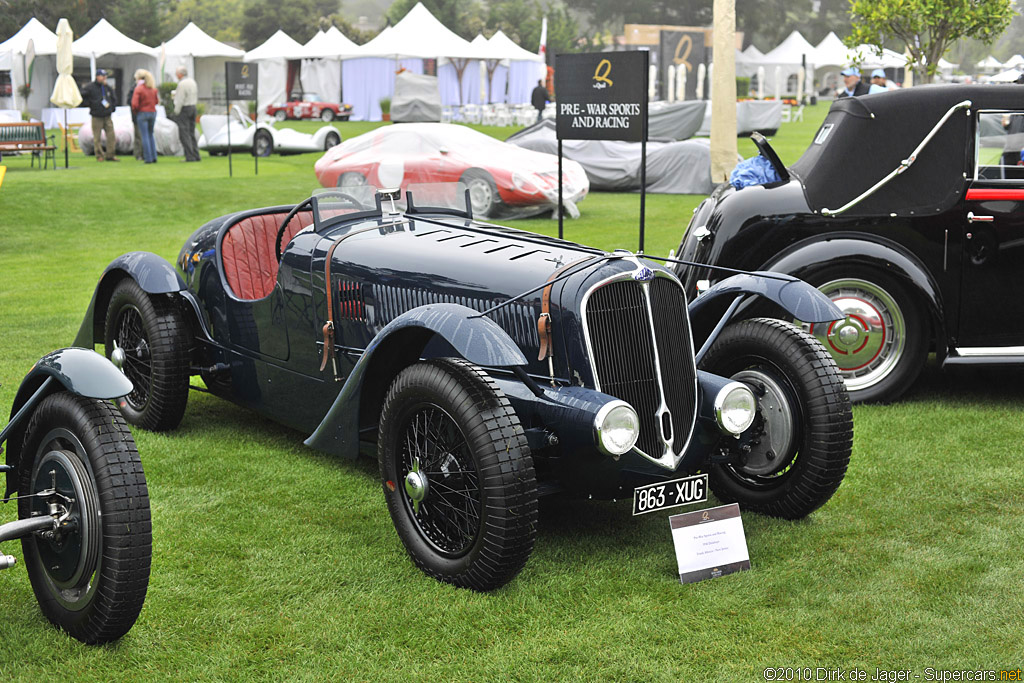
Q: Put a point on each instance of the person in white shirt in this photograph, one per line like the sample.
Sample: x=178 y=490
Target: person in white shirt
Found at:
x=186 y=96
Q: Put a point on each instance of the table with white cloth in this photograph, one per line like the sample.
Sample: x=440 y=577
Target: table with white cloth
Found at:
x=53 y=117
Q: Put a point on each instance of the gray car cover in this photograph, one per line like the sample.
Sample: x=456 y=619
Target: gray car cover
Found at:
x=417 y=98
x=674 y=120
x=762 y=116
x=673 y=167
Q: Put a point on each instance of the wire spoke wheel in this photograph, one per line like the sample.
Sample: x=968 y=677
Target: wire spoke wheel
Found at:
x=457 y=474
x=134 y=358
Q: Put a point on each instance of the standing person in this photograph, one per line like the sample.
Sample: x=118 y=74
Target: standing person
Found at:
x=539 y=99
x=144 y=101
x=186 y=96
x=99 y=97
x=878 y=82
x=137 y=138
x=854 y=86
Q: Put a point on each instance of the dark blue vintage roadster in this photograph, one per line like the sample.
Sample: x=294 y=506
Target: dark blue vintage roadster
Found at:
x=484 y=366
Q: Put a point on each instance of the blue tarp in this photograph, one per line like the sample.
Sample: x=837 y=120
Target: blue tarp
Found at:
x=754 y=171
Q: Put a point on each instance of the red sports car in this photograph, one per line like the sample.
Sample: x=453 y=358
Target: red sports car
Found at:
x=502 y=179
x=311 y=107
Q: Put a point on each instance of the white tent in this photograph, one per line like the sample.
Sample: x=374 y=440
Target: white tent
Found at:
x=44 y=73
x=1014 y=62
x=321 y=65
x=525 y=68
x=419 y=34
x=788 y=56
x=104 y=46
x=203 y=56
x=272 y=58
x=1008 y=76
x=831 y=51
x=989 y=65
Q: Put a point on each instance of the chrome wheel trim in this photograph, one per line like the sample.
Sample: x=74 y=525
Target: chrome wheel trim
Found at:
x=481 y=195
x=351 y=179
x=263 y=145
x=280 y=115
x=869 y=343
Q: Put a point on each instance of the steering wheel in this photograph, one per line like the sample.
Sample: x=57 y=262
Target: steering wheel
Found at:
x=301 y=205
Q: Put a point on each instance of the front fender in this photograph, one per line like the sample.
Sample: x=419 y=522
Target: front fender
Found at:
x=477 y=339
x=320 y=136
x=813 y=257
x=153 y=274
x=799 y=299
x=80 y=371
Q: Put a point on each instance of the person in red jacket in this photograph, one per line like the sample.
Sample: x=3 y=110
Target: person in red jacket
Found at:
x=144 y=101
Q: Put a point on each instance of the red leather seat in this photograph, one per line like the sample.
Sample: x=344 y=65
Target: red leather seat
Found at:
x=247 y=252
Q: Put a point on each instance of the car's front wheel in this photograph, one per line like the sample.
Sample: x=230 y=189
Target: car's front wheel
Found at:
x=881 y=344
x=327 y=115
x=146 y=337
x=483 y=193
x=797 y=454
x=280 y=115
x=90 y=574
x=457 y=474
x=262 y=143
x=330 y=140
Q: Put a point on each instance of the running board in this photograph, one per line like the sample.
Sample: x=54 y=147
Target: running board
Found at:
x=985 y=355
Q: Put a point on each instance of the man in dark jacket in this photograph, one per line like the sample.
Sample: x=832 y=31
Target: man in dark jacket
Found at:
x=539 y=99
x=854 y=86
x=99 y=97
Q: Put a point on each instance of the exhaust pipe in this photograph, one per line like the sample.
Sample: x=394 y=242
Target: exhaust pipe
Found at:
x=7 y=561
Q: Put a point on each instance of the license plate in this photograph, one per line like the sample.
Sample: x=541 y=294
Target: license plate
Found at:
x=670 y=494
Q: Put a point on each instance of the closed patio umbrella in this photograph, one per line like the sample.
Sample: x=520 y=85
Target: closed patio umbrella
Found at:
x=65 y=90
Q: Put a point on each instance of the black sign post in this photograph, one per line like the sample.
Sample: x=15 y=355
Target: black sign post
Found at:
x=603 y=96
x=241 y=80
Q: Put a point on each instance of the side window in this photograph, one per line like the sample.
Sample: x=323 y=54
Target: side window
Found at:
x=1000 y=145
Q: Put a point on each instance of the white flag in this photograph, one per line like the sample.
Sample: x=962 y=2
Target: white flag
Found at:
x=543 y=51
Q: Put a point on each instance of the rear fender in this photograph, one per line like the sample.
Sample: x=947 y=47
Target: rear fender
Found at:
x=479 y=340
x=80 y=371
x=152 y=273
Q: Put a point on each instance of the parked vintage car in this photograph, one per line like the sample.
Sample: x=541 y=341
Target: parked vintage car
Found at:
x=484 y=366
x=309 y=106
x=907 y=210
x=503 y=179
x=260 y=138
x=83 y=505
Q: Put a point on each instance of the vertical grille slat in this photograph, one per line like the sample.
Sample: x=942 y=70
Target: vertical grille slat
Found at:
x=627 y=356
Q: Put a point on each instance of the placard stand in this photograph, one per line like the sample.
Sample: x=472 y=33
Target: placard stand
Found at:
x=602 y=96
x=242 y=81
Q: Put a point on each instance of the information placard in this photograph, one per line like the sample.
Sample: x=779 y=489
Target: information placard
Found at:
x=241 y=80
x=709 y=543
x=601 y=96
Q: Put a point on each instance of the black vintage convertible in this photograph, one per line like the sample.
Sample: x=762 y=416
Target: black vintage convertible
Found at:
x=906 y=210
x=484 y=366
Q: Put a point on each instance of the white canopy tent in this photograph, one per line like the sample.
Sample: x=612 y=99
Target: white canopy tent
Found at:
x=106 y=47
x=1008 y=76
x=203 y=56
x=748 y=60
x=525 y=68
x=788 y=57
x=44 y=73
x=365 y=80
x=989 y=65
x=272 y=58
x=1014 y=62
x=321 y=63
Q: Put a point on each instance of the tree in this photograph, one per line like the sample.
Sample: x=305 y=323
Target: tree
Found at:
x=300 y=19
x=219 y=18
x=927 y=27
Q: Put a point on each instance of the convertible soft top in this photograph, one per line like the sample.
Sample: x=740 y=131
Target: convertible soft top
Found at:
x=864 y=138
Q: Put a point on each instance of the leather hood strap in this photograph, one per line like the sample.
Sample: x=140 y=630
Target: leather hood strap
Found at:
x=544 y=319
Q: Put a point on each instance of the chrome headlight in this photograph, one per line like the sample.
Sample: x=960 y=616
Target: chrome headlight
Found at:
x=617 y=428
x=735 y=408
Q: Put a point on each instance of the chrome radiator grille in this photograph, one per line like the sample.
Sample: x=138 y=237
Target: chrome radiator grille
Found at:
x=639 y=339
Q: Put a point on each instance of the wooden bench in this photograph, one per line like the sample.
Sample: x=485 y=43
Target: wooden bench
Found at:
x=26 y=136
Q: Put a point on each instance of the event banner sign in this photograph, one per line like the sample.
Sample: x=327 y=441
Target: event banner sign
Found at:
x=681 y=49
x=241 y=80
x=601 y=96
x=709 y=543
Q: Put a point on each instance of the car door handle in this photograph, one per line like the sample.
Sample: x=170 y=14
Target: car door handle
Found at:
x=971 y=218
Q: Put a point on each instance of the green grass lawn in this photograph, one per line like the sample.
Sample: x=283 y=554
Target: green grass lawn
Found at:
x=273 y=561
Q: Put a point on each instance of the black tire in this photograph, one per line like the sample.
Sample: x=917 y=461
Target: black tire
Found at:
x=327 y=115
x=887 y=334
x=484 y=479
x=153 y=336
x=804 y=420
x=262 y=144
x=90 y=577
x=483 y=193
x=330 y=140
